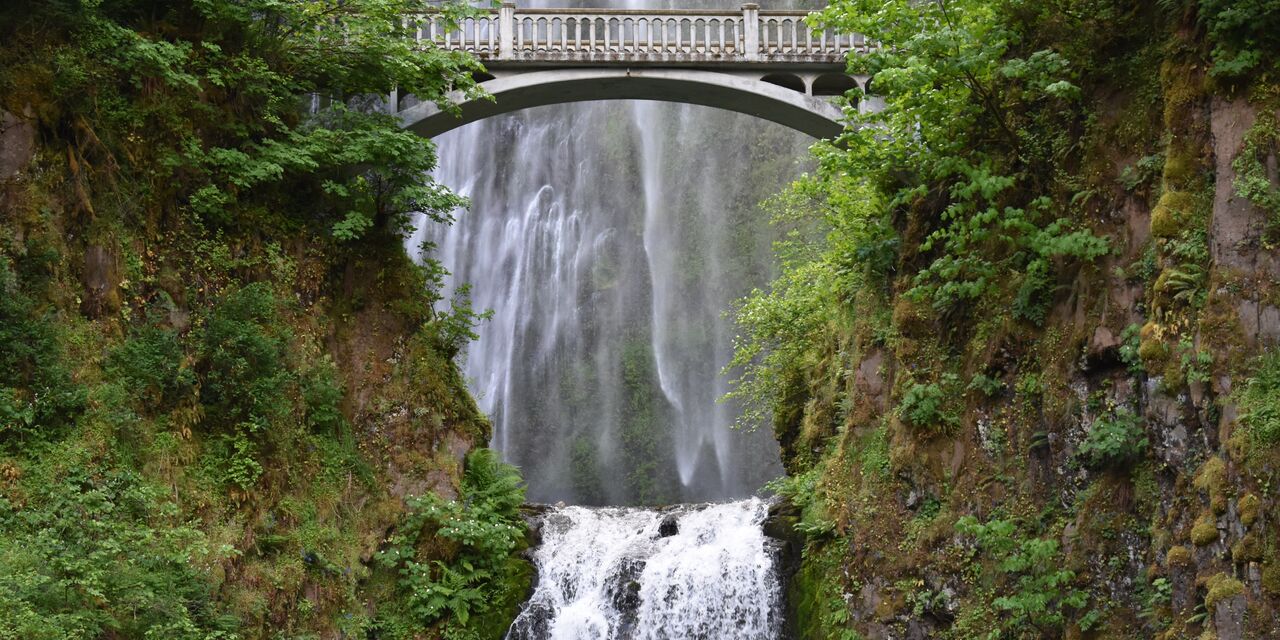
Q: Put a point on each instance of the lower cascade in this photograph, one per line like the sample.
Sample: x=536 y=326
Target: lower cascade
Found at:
x=691 y=572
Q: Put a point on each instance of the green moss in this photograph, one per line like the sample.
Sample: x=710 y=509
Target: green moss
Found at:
x=1151 y=347
x=1179 y=556
x=1248 y=506
x=1271 y=578
x=1171 y=214
x=1180 y=167
x=509 y=592
x=1205 y=531
x=1247 y=549
x=1212 y=479
x=816 y=607
x=1221 y=587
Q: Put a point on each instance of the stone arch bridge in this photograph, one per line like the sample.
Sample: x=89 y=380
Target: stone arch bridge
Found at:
x=769 y=64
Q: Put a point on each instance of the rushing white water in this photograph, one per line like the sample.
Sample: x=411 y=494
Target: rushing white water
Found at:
x=700 y=572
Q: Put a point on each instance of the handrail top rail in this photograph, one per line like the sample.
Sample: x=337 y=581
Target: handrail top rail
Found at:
x=635 y=12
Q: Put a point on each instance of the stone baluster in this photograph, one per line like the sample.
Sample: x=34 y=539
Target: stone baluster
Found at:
x=751 y=31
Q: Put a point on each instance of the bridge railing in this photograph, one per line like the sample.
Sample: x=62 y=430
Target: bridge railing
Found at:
x=566 y=35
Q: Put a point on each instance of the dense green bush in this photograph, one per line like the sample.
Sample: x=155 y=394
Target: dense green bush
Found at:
x=923 y=405
x=96 y=552
x=151 y=364
x=1036 y=592
x=1245 y=35
x=1259 y=400
x=466 y=583
x=37 y=394
x=1114 y=440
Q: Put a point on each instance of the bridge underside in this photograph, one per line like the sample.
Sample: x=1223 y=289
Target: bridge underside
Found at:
x=744 y=94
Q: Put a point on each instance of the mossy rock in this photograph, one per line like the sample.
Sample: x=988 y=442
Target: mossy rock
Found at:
x=1221 y=587
x=1248 y=507
x=1271 y=578
x=1179 y=556
x=1171 y=213
x=909 y=316
x=509 y=592
x=1151 y=348
x=1180 y=167
x=1205 y=531
x=1212 y=479
x=1247 y=549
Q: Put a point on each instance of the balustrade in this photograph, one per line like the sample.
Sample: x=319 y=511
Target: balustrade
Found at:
x=751 y=35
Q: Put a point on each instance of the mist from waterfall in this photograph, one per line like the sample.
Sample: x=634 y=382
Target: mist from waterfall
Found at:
x=610 y=239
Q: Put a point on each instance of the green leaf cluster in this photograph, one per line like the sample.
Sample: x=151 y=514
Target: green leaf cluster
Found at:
x=1114 y=440
x=457 y=585
x=38 y=398
x=1037 y=592
x=252 y=115
x=104 y=555
x=1259 y=402
x=1245 y=35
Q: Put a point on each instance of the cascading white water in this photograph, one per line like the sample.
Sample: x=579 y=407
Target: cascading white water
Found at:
x=611 y=239
x=695 y=572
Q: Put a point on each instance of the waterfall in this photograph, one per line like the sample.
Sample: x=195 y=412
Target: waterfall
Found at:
x=695 y=572
x=611 y=239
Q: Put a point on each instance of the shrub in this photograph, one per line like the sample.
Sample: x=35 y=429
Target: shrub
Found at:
x=1114 y=440
x=1259 y=401
x=482 y=528
x=150 y=363
x=922 y=406
x=244 y=355
x=96 y=553
x=1029 y=572
x=37 y=393
x=1244 y=34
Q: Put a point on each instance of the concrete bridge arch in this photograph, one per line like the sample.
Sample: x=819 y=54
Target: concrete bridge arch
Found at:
x=784 y=98
x=769 y=64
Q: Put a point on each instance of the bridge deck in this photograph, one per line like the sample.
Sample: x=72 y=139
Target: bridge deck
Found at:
x=511 y=37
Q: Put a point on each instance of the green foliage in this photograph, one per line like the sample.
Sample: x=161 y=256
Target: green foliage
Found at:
x=1037 y=592
x=205 y=99
x=1114 y=440
x=1259 y=401
x=246 y=376
x=986 y=385
x=836 y=246
x=1245 y=35
x=484 y=527
x=37 y=394
x=1156 y=597
x=99 y=553
x=150 y=363
x=802 y=491
x=243 y=354
x=924 y=405
x=1130 y=341
x=1253 y=180
x=323 y=395
x=971 y=124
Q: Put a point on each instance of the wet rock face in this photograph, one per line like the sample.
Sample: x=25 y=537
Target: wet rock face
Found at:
x=1228 y=618
x=17 y=144
x=623 y=590
x=101 y=282
x=669 y=527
